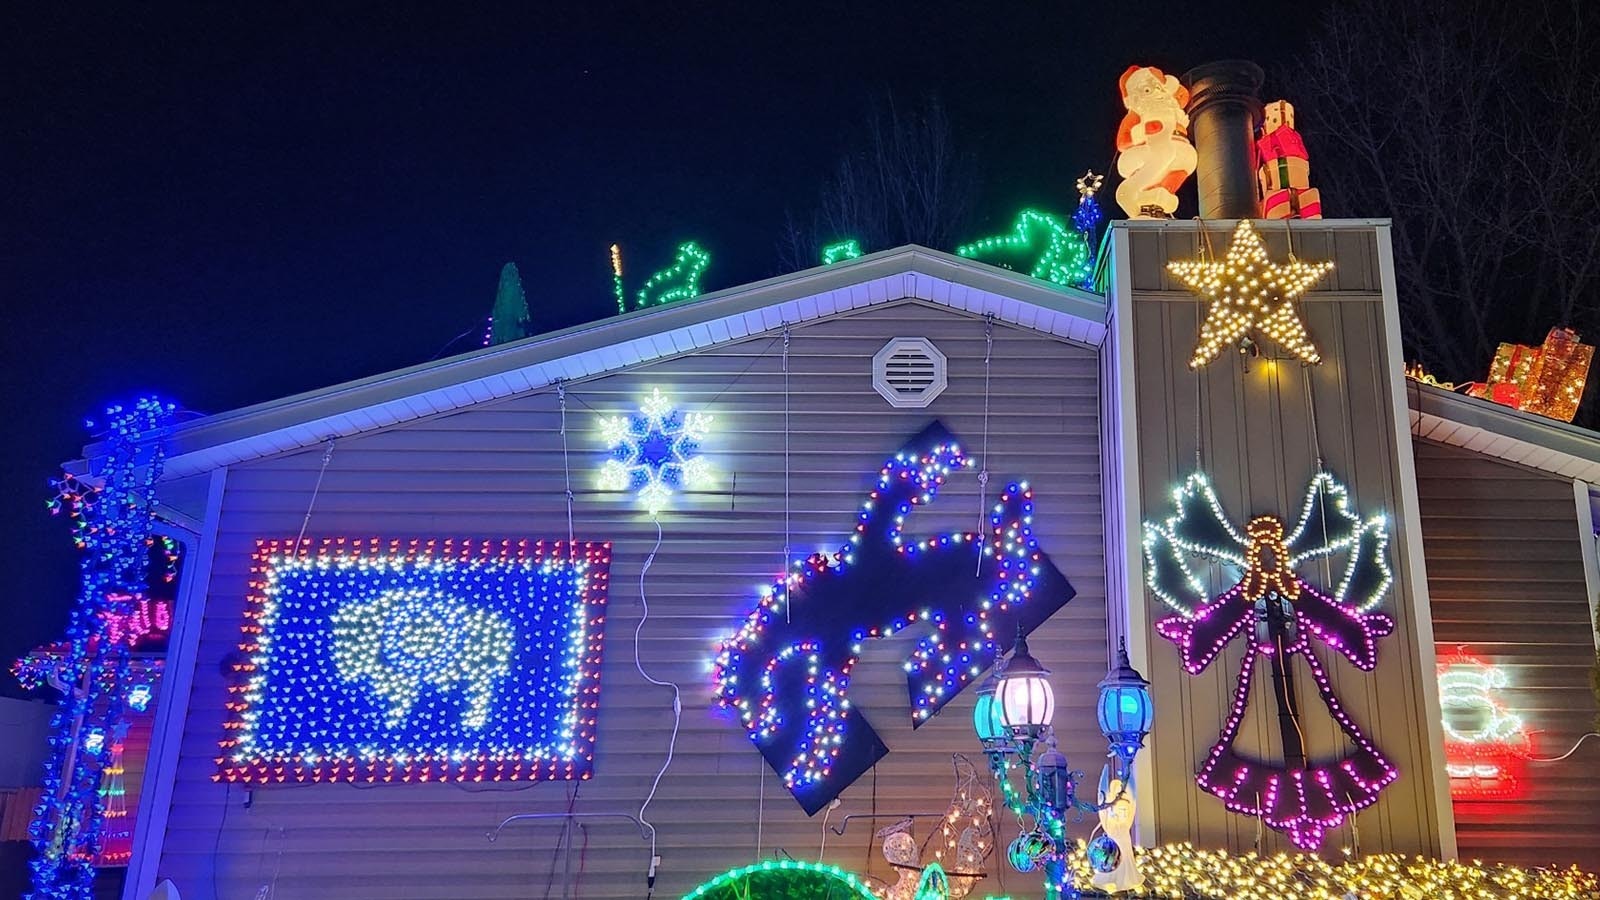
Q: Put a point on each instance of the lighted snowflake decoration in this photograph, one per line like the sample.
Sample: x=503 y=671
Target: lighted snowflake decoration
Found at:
x=655 y=451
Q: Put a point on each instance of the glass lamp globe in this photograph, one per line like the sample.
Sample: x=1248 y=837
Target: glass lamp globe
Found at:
x=1027 y=703
x=986 y=714
x=1125 y=709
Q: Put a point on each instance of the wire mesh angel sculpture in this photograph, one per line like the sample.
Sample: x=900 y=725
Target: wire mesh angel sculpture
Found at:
x=1283 y=615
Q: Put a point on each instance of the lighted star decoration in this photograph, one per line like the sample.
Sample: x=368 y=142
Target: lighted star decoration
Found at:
x=655 y=452
x=1247 y=292
x=1090 y=183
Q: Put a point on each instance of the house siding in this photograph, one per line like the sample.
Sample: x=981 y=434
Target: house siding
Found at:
x=495 y=470
x=1506 y=581
x=1259 y=430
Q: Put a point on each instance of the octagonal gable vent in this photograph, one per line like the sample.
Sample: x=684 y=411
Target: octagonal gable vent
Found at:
x=909 y=372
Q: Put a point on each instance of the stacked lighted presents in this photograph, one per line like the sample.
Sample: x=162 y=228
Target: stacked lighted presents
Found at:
x=1546 y=380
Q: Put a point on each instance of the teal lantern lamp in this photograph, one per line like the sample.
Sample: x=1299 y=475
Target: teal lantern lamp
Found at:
x=1125 y=709
x=992 y=733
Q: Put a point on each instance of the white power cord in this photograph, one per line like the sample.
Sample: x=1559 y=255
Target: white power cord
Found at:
x=677 y=714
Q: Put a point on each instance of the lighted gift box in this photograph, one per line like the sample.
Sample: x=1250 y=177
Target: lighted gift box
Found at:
x=1547 y=380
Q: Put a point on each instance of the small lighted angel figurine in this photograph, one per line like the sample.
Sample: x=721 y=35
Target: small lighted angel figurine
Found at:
x=1284 y=615
x=1116 y=825
x=1155 y=156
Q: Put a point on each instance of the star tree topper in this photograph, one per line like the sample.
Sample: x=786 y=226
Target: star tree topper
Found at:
x=1247 y=291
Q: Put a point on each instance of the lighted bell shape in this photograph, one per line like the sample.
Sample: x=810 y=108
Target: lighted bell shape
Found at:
x=1125 y=710
x=1052 y=778
x=986 y=714
x=1027 y=704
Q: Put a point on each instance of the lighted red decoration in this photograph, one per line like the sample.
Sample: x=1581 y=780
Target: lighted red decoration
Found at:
x=1486 y=748
x=1546 y=380
x=418 y=660
x=1284 y=168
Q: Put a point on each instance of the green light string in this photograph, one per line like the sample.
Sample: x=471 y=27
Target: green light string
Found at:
x=841 y=251
x=1059 y=252
x=679 y=281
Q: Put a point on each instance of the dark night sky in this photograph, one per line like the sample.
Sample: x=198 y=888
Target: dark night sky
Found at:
x=229 y=205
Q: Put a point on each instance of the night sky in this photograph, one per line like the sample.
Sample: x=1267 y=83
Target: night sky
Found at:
x=229 y=205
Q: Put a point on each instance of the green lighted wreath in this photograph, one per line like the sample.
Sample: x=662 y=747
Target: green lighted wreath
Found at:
x=783 y=879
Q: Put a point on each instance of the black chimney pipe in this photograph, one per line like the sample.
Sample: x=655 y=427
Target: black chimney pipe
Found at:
x=1224 y=110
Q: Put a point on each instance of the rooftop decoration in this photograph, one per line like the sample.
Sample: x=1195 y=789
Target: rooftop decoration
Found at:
x=1284 y=168
x=841 y=251
x=509 y=319
x=1086 y=220
x=1417 y=373
x=112 y=525
x=1052 y=251
x=418 y=660
x=1547 y=380
x=679 y=281
x=1154 y=156
x=786 y=671
x=655 y=452
x=1281 y=614
x=1246 y=292
x=1486 y=747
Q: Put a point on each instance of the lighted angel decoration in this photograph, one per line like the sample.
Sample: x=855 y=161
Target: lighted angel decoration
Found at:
x=1155 y=156
x=1284 y=615
x=1116 y=825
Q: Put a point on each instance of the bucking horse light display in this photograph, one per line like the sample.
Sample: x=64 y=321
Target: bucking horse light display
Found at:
x=786 y=672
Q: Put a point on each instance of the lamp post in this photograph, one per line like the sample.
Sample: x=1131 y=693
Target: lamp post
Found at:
x=1014 y=716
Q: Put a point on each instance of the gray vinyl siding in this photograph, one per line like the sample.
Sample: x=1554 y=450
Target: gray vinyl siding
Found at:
x=496 y=470
x=1260 y=442
x=1505 y=576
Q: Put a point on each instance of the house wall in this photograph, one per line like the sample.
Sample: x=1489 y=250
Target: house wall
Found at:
x=1259 y=442
x=1505 y=575
x=496 y=470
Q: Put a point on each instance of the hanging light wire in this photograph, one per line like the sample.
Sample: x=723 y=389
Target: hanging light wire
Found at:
x=983 y=473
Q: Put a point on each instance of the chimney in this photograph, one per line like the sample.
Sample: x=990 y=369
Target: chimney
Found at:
x=1224 y=109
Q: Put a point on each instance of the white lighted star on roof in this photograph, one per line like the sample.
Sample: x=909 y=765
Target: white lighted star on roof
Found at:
x=655 y=451
x=1248 y=291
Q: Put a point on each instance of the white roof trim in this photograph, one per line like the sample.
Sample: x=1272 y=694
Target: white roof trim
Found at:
x=1505 y=433
x=904 y=273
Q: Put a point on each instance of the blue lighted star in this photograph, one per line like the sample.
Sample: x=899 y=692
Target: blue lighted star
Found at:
x=655 y=451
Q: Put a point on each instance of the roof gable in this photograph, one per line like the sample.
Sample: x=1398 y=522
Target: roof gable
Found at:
x=906 y=273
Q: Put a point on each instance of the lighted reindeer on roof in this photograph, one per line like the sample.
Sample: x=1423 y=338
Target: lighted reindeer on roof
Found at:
x=787 y=670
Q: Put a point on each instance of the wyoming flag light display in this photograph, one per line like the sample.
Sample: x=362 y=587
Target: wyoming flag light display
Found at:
x=418 y=660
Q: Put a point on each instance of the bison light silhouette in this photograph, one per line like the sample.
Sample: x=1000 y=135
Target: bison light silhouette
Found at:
x=786 y=672
x=418 y=660
x=407 y=639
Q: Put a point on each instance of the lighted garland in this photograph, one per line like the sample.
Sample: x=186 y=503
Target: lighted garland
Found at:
x=418 y=660
x=1184 y=872
x=1058 y=254
x=655 y=452
x=1246 y=292
x=114 y=533
x=1282 y=616
x=786 y=671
